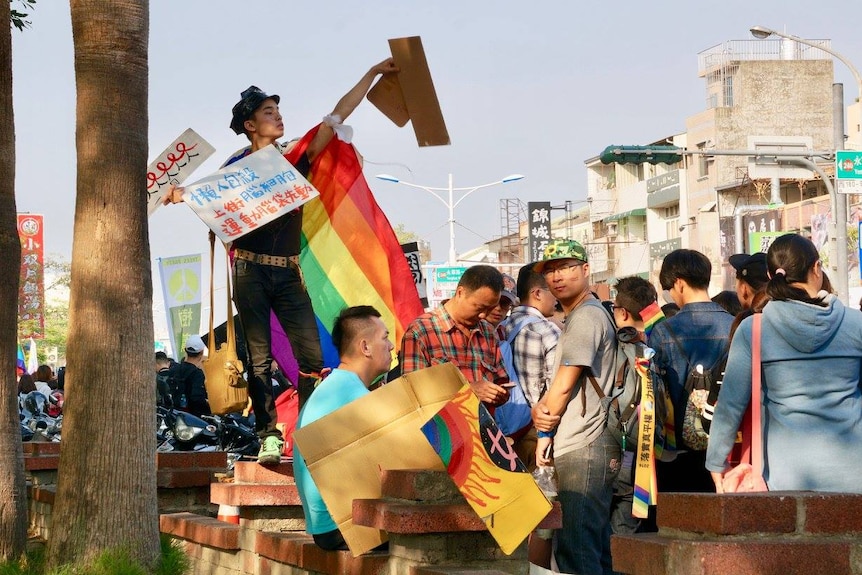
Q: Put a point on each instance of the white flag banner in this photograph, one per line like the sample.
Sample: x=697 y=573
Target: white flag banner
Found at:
x=248 y=194
x=181 y=288
x=174 y=165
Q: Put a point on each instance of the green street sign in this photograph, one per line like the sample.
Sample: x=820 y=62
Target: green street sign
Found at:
x=848 y=165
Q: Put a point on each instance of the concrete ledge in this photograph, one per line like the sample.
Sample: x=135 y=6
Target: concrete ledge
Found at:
x=300 y=551
x=251 y=472
x=200 y=529
x=262 y=494
x=413 y=518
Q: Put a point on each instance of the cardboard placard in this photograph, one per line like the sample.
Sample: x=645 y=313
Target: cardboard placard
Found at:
x=248 y=193
x=417 y=93
x=346 y=450
x=175 y=164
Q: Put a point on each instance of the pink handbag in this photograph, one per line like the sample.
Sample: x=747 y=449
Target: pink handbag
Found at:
x=748 y=477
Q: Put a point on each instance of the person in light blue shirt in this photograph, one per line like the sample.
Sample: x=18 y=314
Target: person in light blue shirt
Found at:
x=363 y=345
x=811 y=357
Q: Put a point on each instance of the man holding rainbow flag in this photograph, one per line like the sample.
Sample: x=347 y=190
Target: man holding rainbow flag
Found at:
x=344 y=259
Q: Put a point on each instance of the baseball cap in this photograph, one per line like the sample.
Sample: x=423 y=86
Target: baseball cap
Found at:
x=250 y=100
x=750 y=268
x=194 y=344
x=561 y=249
x=509 y=287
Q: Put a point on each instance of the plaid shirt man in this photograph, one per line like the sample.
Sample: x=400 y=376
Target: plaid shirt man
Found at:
x=434 y=338
x=533 y=350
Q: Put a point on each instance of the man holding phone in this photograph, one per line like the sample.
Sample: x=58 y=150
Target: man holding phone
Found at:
x=457 y=332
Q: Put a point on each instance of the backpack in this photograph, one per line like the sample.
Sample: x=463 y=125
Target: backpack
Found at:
x=699 y=382
x=515 y=414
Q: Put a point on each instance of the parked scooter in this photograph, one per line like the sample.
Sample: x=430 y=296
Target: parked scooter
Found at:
x=33 y=412
x=182 y=431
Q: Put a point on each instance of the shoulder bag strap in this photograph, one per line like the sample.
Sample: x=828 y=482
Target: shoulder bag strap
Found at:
x=231 y=335
x=756 y=371
x=211 y=342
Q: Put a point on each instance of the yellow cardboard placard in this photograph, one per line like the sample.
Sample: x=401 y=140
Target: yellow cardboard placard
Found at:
x=346 y=450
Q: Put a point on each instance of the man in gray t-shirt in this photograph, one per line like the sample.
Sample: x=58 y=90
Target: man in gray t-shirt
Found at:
x=570 y=418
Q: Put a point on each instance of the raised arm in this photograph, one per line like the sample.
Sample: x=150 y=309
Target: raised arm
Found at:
x=347 y=104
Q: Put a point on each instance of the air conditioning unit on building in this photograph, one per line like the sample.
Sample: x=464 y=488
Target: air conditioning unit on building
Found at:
x=611 y=229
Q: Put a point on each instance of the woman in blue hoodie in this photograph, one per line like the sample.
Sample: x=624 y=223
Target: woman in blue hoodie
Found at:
x=811 y=355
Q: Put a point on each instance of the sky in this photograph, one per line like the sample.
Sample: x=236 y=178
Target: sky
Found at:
x=533 y=89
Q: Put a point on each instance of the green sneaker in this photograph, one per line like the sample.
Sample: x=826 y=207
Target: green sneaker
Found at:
x=270 y=451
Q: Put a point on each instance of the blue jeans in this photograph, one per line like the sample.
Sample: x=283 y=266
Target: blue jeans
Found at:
x=622 y=521
x=259 y=289
x=585 y=480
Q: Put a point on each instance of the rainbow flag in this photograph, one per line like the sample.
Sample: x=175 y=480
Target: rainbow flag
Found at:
x=350 y=255
x=20 y=365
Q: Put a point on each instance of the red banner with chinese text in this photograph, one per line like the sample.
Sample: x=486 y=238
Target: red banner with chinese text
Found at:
x=31 y=287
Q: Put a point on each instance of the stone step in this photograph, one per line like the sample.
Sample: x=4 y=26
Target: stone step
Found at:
x=411 y=518
x=299 y=550
x=252 y=472
x=174 y=459
x=254 y=494
x=200 y=529
x=41 y=447
x=426 y=485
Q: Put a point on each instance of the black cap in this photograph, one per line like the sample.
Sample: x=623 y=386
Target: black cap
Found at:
x=250 y=100
x=750 y=268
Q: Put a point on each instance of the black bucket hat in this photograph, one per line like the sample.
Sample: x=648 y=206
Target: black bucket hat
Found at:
x=250 y=100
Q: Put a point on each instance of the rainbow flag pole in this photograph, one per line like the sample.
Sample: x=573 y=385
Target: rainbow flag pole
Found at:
x=20 y=366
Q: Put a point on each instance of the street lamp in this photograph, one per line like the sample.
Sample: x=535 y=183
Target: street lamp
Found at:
x=451 y=204
x=838 y=201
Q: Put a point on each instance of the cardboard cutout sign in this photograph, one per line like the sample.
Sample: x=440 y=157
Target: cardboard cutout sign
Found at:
x=410 y=93
x=486 y=470
x=249 y=193
x=346 y=450
x=175 y=164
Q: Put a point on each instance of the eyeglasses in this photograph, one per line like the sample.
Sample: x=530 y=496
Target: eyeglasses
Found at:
x=564 y=270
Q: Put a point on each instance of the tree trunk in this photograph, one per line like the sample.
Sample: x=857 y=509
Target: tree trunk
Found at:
x=106 y=491
x=13 y=495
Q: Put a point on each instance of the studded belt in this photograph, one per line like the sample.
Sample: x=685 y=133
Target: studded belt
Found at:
x=267 y=260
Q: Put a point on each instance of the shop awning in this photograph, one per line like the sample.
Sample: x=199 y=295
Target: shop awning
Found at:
x=638 y=212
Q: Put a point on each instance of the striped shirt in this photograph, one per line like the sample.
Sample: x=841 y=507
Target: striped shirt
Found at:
x=434 y=338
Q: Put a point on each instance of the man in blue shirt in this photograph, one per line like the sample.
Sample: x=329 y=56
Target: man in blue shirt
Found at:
x=363 y=345
x=697 y=334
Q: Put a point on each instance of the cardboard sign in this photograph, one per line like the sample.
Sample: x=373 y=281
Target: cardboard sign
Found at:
x=346 y=450
x=486 y=470
x=248 y=194
x=410 y=93
x=174 y=165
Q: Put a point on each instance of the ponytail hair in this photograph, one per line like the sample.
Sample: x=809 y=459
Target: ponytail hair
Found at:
x=788 y=261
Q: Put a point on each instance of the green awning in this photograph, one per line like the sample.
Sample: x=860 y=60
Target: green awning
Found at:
x=638 y=212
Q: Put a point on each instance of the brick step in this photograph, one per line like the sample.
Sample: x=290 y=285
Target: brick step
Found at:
x=41 y=447
x=189 y=477
x=426 y=485
x=300 y=551
x=254 y=494
x=252 y=472
x=454 y=571
x=768 y=513
x=174 y=459
x=652 y=554
x=411 y=518
x=41 y=462
x=200 y=529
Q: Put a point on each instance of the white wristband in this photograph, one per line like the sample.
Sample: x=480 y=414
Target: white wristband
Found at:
x=342 y=132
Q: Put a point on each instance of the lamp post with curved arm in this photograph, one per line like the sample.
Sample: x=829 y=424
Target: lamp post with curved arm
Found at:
x=838 y=201
x=451 y=204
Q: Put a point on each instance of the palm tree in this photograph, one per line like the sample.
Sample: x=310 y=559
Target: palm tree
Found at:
x=106 y=491
x=13 y=514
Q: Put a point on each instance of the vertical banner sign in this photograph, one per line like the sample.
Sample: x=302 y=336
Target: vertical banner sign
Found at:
x=539 y=232
x=181 y=286
x=411 y=252
x=31 y=287
x=174 y=165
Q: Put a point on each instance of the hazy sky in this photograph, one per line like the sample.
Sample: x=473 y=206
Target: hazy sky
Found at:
x=530 y=88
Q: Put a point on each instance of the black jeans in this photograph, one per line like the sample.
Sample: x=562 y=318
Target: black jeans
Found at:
x=258 y=290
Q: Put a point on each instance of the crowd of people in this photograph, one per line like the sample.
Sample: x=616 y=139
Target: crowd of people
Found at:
x=572 y=358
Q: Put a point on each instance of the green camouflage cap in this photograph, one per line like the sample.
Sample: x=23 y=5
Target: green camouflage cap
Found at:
x=561 y=249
